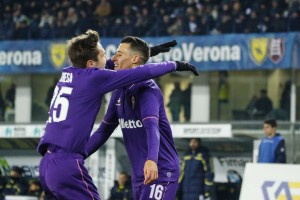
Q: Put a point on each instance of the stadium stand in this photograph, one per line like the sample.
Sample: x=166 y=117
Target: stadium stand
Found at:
x=22 y=20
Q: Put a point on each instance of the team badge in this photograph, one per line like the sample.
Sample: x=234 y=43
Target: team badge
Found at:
x=258 y=50
x=276 y=50
x=57 y=55
x=132 y=102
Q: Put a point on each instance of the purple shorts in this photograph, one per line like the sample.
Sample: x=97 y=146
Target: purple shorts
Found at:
x=63 y=176
x=156 y=191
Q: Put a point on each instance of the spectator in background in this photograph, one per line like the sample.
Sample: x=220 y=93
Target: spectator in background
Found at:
x=196 y=174
x=21 y=23
x=186 y=101
x=175 y=102
x=59 y=25
x=122 y=189
x=50 y=92
x=177 y=28
x=10 y=96
x=263 y=105
x=238 y=17
x=251 y=23
x=2 y=106
x=250 y=109
x=34 y=188
x=103 y=9
x=71 y=21
x=285 y=100
x=294 y=21
x=2 y=185
x=225 y=21
x=16 y=184
x=272 y=146
x=46 y=24
x=223 y=92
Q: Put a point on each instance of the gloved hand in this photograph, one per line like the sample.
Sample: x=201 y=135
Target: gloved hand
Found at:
x=160 y=48
x=207 y=196
x=185 y=66
x=109 y=64
x=204 y=197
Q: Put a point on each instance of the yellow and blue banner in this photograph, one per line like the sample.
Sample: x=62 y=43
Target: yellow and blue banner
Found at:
x=208 y=53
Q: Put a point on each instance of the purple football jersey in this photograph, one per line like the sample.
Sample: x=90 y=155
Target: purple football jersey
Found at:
x=77 y=99
x=131 y=108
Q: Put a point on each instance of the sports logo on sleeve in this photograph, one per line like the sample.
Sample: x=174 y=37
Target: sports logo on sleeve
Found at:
x=118 y=102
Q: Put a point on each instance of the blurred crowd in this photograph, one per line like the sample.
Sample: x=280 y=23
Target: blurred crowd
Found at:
x=47 y=19
x=16 y=184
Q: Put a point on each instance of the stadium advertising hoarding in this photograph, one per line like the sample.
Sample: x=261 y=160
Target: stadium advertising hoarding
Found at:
x=271 y=181
x=215 y=52
x=179 y=130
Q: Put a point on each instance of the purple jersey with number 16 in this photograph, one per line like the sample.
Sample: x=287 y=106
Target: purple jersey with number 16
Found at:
x=139 y=110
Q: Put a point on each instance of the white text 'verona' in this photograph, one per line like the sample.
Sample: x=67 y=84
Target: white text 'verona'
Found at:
x=190 y=52
x=20 y=57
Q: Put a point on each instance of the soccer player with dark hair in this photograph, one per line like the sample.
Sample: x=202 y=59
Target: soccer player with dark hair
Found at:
x=139 y=110
x=74 y=106
x=272 y=146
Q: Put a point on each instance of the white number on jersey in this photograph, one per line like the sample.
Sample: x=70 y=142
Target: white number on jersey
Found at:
x=59 y=100
x=156 y=192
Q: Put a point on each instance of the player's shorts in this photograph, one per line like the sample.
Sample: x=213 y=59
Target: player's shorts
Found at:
x=156 y=191
x=64 y=177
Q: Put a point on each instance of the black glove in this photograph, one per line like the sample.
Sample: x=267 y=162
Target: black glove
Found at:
x=160 y=48
x=185 y=66
x=109 y=64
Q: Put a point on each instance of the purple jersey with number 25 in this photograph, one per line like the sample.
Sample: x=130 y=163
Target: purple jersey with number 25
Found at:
x=77 y=99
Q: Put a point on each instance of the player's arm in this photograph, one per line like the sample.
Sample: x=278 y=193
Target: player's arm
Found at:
x=110 y=80
x=104 y=131
x=280 y=155
x=259 y=159
x=155 y=50
x=149 y=105
x=209 y=174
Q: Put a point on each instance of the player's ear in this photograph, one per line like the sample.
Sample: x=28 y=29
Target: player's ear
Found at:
x=89 y=64
x=135 y=59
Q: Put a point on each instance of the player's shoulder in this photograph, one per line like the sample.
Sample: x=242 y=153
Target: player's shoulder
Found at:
x=116 y=93
x=148 y=84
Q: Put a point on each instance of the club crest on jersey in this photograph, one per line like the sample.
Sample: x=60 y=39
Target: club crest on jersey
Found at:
x=258 y=50
x=132 y=102
x=57 y=55
x=276 y=50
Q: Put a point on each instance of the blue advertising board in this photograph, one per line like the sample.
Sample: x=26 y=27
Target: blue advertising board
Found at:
x=208 y=53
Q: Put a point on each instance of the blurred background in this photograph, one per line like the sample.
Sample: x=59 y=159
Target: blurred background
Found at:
x=247 y=52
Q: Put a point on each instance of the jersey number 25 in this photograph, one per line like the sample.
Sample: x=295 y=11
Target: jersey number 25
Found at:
x=59 y=104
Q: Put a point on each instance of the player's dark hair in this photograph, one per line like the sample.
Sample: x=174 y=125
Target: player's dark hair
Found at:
x=123 y=173
x=197 y=140
x=83 y=47
x=138 y=45
x=17 y=169
x=271 y=122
